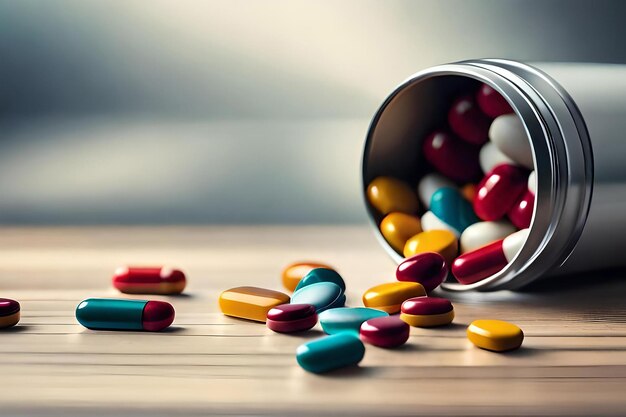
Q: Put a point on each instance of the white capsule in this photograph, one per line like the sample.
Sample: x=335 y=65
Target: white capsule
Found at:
x=482 y=233
x=490 y=156
x=429 y=184
x=508 y=134
x=512 y=244
x=532 y=182
x=430 y=221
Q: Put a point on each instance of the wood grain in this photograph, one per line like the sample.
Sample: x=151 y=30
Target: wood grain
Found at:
x=573 y=361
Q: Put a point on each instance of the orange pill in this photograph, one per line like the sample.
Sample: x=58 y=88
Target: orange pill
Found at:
x=397 y=228
x=441 y=241
x=387 y=194
x=469 y=192
x=293 y=273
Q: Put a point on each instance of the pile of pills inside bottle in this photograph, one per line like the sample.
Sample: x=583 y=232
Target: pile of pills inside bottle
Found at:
x=474 y=203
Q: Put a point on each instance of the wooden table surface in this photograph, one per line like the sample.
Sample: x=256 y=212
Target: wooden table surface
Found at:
x=573 y=361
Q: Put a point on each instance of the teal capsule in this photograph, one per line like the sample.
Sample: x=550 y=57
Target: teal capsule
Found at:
x=321 y=275
x=330 y=352
x=117 y=314
x=347 y=319
x=322 y=295
x=452 y=208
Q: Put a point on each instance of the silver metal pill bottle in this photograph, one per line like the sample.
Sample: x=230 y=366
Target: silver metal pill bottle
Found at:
x=575 y=119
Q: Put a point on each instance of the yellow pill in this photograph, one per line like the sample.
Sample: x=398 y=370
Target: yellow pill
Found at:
x=389 y=297
x=397 y=228
x=250 y=303
x=441 y=241
x=293 y=273
x=388 y=194
x=427 y=320
x=495 y=335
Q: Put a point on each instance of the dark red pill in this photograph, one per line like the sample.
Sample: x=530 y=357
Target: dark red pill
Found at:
x=425 y=306
x=491 y=102
x=289 y=318
x=499 y=190
x=479 y=264
x=468 y=121
x=427 y=268
x=157 y=315
x=522 y=211
x=454 y=158
x=385 y=332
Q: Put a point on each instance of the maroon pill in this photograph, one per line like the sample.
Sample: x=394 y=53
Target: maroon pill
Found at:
x=454 y=158
x=427 y=268
x=289 y=318
x=491 y=102
x=499 y=190
x=157 y=315
x=468 y=121
x=522 y=211
x=387 y=332
x=426 y=306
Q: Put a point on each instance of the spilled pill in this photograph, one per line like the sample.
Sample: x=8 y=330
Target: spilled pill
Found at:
x=389 y=297
x=449 y=205
x=322 y=295
x=386 y=332
x=250 y=303
x=495 y=335
x=521 y=213
x=293 y=273
x=149 y=280
x=387 y=194
x=347 y=318
x=508 y=134
x=427 y=312
x=454 y=158
x=330 y=352
x=483 y=262
x=397 y=228
x=428 y=269
x=9 y=313
x=441 y=241
x=321 y=275
x=491 y=102
x=290 y=318
x=482 y=233
x=498 y=191
x=468 y=121
x=119 y=314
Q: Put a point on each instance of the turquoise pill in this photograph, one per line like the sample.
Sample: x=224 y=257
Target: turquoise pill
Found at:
x=452 y=208
x=347 y=319
x=330 y=352
x=117 y=314
x=321 y=275
x=323 y=295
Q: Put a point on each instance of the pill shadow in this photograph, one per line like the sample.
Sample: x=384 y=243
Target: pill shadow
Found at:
x=182 y=295
x=407 y=347
x=173 y=329
x=19 y=328
x=306 y=334
x=354 y=371
x=522 y=352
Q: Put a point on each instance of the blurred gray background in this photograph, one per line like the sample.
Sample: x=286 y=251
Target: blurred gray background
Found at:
x=122 y=112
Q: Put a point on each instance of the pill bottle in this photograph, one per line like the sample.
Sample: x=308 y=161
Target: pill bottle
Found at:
x=575 y=119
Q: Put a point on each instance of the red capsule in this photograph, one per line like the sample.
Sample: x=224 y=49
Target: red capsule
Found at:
x=427 y=268
x=385 y=332
x=426 y=306
x=157 y=315
x=149 y=280
x=290 y=318
x=9 y=312
x=498 y=191
x=522 y=211
x=454 y=158
x=467 y=121
x=483 y=262
x=491 y=102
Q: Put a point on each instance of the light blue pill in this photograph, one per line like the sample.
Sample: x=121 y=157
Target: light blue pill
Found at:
x=347 y=319
x=330 y=352
x=321 y=275
x=449 y=205
x=323 y=295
